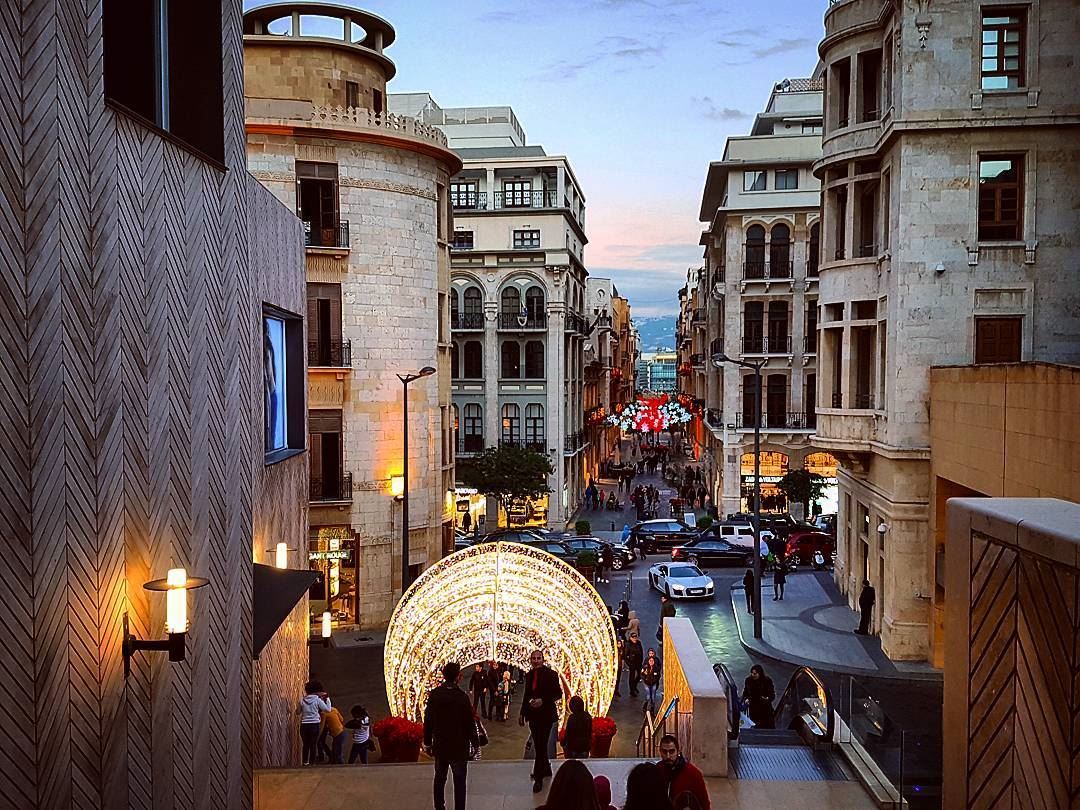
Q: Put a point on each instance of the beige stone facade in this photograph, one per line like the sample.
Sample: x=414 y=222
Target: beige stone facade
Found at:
x=372 y=190
x=949 y=235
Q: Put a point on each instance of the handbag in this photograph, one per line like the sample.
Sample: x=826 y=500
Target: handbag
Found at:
x=481 y=733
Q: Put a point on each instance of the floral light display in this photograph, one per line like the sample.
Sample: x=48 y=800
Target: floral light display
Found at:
x=499 y=602
x=651 y=415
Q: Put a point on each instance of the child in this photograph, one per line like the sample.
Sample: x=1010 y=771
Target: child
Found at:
x=361 y=734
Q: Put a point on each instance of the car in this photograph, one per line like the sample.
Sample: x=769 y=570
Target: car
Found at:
x=707 y=551
x=802 y=544
x=681 y=581
x=653 y=535
x=509 y=536
x=826 y=523
x=614 y=555
x=555 y=549
x=737 y=533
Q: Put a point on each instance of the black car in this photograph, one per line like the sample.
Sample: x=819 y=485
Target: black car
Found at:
x=653 y=535
x=707 y=551
x=615 y=557
x=555 y=549
x=509 y=536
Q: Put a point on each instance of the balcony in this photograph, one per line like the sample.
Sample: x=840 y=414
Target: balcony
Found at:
x=767 y=271
x=697 y=360
x=467 y=321
x=777 y=420
x=716 y=346
x=333 y=490
x=577 y=324
x=468 y=200
x=714 y=418
x=335 y=236
x=574 y=442
x=329 y=354
x=773 y=344
x=516 y=322
x=526 y=199
x=470 y=445
x=810 y=342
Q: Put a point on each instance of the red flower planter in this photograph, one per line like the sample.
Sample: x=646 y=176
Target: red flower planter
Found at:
x=399 y=739
x=603 y=730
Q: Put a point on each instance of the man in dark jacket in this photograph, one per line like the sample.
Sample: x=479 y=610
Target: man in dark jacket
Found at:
x=866 y=606
x=449 y=728
x=539 y=710
x=682 y=776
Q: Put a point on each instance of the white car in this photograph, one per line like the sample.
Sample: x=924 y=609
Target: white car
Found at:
x=741 y=535
x=681 y=581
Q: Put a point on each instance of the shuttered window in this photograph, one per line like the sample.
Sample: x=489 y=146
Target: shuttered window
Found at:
x=997 y=340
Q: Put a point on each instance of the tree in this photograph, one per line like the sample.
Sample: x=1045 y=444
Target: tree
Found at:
x=802 y=486
x=507 y=473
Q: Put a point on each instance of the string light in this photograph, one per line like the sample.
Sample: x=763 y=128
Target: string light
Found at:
x=499 y=602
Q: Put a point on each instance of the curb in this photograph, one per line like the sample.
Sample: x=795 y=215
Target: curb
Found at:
x=761 y=648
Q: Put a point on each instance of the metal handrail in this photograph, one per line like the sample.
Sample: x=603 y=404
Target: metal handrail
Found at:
x=823 y=690
x=647 y=735
x=731 y=687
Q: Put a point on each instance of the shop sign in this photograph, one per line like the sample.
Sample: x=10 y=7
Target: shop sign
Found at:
x=336 y=554
x=765 y=479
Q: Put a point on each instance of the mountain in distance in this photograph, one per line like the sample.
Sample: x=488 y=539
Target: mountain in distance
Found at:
x=655 y=333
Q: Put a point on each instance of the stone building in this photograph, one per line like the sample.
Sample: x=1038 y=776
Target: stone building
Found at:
x=518 y=299
x=950 y=220
x=153 y=348
x=372 y=190
x=609 y=370
x=755 y=300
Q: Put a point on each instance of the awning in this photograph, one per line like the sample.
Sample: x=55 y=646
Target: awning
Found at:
x=276 y=591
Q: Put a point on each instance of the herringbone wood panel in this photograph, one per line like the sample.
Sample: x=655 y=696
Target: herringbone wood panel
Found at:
x=1024 y=701
x=130 y=433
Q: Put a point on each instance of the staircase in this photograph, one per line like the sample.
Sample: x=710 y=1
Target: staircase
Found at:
x=782 y=755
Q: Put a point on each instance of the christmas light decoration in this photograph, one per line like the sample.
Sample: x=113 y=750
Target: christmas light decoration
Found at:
x=499 y=602
x=651 y=415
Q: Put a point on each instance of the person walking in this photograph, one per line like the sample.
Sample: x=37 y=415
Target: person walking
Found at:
x=651 y=671
x=577 y=737
x=634 y=657
x=314 y=701
x=683 y=777
x=449 y=730
x=758 y=696
x=633 y=624
x=622 y=618
x=360 y=725
x=494 y=679
x=866 y=607
x=478 y=689
x=538 y=709
x=748 y=589
x=779 y=578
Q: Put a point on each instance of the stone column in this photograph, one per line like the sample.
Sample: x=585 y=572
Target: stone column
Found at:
x=492 y=424
x=555 y=389
x=560 y=184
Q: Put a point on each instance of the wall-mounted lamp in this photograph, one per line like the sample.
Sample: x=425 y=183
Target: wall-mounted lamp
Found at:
x=176 y=584
x=397 y=486
x=281 y=554
x=326 y=629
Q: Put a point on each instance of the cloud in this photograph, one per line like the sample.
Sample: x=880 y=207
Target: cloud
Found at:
x=628 y=50
x=781 y=46
x=708 y=109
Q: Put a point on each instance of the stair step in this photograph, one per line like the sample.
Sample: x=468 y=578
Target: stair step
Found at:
x=786 y=763
x=769 y=736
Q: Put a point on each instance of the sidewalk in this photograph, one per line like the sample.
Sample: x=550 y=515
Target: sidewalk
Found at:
x=814 y=627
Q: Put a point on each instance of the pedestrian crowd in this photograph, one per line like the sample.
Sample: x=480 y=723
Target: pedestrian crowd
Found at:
x=324 y=732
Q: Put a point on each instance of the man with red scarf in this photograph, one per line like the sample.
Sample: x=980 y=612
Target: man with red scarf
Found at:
x=539 y=710
x=683 y=777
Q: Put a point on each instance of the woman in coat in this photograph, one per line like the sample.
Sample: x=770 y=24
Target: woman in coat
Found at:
x=758 y=696
x=634 y=657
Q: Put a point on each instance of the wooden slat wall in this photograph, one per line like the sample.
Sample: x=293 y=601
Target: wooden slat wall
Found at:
x=130 y=425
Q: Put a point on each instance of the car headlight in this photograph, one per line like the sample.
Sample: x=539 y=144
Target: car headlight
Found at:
x=677 y=588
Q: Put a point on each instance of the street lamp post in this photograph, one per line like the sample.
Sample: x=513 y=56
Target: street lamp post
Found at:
x=426 y=371
x=718 y=360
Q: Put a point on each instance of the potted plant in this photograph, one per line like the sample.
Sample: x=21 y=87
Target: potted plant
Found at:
x=586 y=561
x=603 y=729
x=583 y=528
x=399 y=739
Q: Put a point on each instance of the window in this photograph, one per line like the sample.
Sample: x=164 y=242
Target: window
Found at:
x=776 y=401
x=511 y=424
x=753 y=327
x=463 y=195
x=1003 y=35
x=325 y=346
x=886 y=207
x=352 y=94
x=317 y=203
x=840 y=226
x=997 y=340
x=753 y=181
x=326 y=456
x=526 y=239
x=376 y=101
x=887 y=74
x=163 y=62
x=787 y=179
x=534 y=427
x=1000 y=197
x=780 y=251
x=534 y=360
x=283 y=383
x=839 y=88
x=473 y=360
x=472 y=316
x=517 y=193
x=534 y=306
x=813 y=257
x=755 y=252
x=474 y=428
x=869 y=63
x=463 y=240
x=811 y=327
x=510 y=303
x=510 y=368
x=779 y=338
x=455 y=364
x=811 y=128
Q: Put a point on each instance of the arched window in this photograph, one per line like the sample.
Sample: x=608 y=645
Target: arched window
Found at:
x=534 y=427
x=455 y=311
x=780 y=251
x=511 y=360
x=511 y=424
x=776 y=400
x=474 y=428
x=455 y=364
x=534 y=306
x=473 y=360
x=754 y=266
x=472 y=310
x=779 y=336
x=511 y=301
x=813 y=256
x=534 y=360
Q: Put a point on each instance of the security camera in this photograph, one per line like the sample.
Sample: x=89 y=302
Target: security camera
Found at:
x=939 y=268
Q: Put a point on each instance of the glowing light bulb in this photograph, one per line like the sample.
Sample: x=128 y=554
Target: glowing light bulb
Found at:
x=281 y=556
x=176 y=619
x=326 y=624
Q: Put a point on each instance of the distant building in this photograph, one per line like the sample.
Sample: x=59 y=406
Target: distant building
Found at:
x=656 y=372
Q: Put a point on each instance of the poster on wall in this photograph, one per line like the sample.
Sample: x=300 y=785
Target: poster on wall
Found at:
x=274 y=382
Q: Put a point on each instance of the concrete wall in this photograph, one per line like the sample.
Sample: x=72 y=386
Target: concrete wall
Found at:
x=703 y=706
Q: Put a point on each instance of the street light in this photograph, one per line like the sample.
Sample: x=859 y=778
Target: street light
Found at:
x=426 y=371
x=718 y=361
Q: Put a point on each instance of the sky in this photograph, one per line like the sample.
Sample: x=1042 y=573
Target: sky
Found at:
x=638 y=94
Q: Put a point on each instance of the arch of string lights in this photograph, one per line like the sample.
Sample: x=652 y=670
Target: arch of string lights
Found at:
x=498 y=602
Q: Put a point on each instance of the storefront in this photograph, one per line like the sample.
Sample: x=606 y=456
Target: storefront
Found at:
x=774 y=466
x=470 y=509
x=824 y=464
x=331 y=552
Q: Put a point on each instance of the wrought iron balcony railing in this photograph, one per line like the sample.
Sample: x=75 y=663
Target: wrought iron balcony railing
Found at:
x=468 y=200
x=574 y=442
x=469 y=444
x=334 y=236
x=773 y=344
x=466 y=321
x=515 y=320
x=331 y=489
x=526 y=199
x=777 y=420
x=329 y=353
x=767 y=270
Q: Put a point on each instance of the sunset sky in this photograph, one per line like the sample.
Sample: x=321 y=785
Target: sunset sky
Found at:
x=638 y=94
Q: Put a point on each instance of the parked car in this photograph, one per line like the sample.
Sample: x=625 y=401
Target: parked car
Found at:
x=802 y=544
x=737 y=533
x=826 y=523
x=613 y=555
x=681 y=580
x=653 y=535
x=555 y=549
x=706 y=551
x=509 y=536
